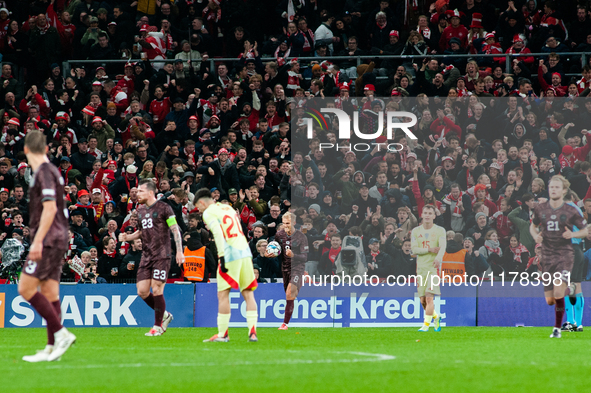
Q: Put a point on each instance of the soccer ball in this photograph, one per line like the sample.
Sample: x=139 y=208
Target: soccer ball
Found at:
x=273 y=248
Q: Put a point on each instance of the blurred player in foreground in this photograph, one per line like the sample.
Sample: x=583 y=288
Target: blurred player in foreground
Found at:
x=575 y=304
x=156 y=221
x=552 y=226
x=39 y=281
x=235 y=268
x=428 y=242
x=294 y=251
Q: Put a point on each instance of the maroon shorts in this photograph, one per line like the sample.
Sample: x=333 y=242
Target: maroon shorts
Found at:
x=157 y=270
x=50 y=266
x=561 y=262
x=293 y=277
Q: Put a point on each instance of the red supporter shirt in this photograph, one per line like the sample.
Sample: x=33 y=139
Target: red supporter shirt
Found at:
x=159 y=109
x=450 y=32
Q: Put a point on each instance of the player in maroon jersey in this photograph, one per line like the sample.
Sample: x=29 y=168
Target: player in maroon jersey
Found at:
x=155 y=218
x=552 y=226
x=294 y=252
x=39 y=282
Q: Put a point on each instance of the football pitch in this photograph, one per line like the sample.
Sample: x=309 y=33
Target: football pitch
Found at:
x=475 y=359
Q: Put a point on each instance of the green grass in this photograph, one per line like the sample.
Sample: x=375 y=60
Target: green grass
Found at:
x=302 y=360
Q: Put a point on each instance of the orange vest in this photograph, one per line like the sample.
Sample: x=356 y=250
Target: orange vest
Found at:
x=194 y=264
x=453 y=265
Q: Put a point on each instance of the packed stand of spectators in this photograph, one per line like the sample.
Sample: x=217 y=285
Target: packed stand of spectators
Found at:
x=167 y=112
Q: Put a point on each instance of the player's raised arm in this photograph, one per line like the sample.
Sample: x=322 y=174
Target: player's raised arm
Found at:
x=47 y=216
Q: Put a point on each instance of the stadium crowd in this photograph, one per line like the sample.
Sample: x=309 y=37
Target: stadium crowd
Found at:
x=488 y=140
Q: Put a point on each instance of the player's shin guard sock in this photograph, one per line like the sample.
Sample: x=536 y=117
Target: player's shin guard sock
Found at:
x=150 y=300
x=58 y=310
x=288 y=311
x=46 y=310
x=569 y=310
x=579 y=307
x=559 y=312
x=428 y=319
x=159 y=308
x=224 y=322
x=251 y=321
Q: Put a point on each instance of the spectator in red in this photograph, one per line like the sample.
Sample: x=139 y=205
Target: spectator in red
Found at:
x=481 y=195
x=519 y=47
x=455 y=30
x=159 y=107
x=275 y=115
x=559 y=90
x=571 y=155
x=489 y=46
x=585 y=81
x=152 y=45
x=34 y=99
x=550 y=24
x=116 y=95
x=444 y=124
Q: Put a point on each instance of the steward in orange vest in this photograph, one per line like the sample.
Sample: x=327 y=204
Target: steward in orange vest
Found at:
x=453 y=263
x=199 y=261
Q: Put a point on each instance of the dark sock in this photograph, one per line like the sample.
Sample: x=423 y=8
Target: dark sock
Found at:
x=46 y=310
x=559 y=311
x=159 y=308
x=58 y=310
x=288 y=311
x=573 y=299
x=150 y=300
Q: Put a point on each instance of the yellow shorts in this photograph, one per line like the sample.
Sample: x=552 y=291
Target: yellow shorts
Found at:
x=425 y=283
x=240 y=275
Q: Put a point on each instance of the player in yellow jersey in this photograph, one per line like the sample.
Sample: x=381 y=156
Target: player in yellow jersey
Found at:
x=428 y=242
x=235 y=269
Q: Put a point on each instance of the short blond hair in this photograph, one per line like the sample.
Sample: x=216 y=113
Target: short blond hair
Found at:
x=560 y=178
x=261 y=242
x=36 y=142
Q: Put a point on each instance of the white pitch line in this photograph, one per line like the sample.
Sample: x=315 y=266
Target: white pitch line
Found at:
x=365 y=357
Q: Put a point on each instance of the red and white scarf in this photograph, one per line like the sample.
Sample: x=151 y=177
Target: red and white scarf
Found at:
x=426 y=32
x=125 y=247
x=293 y=81
x=71 y=247
x=110 y=254
x=213 y=15
x=449 y=199
x=374 y=255
x=517 y=251
x=493 y=250
x=131 y=205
